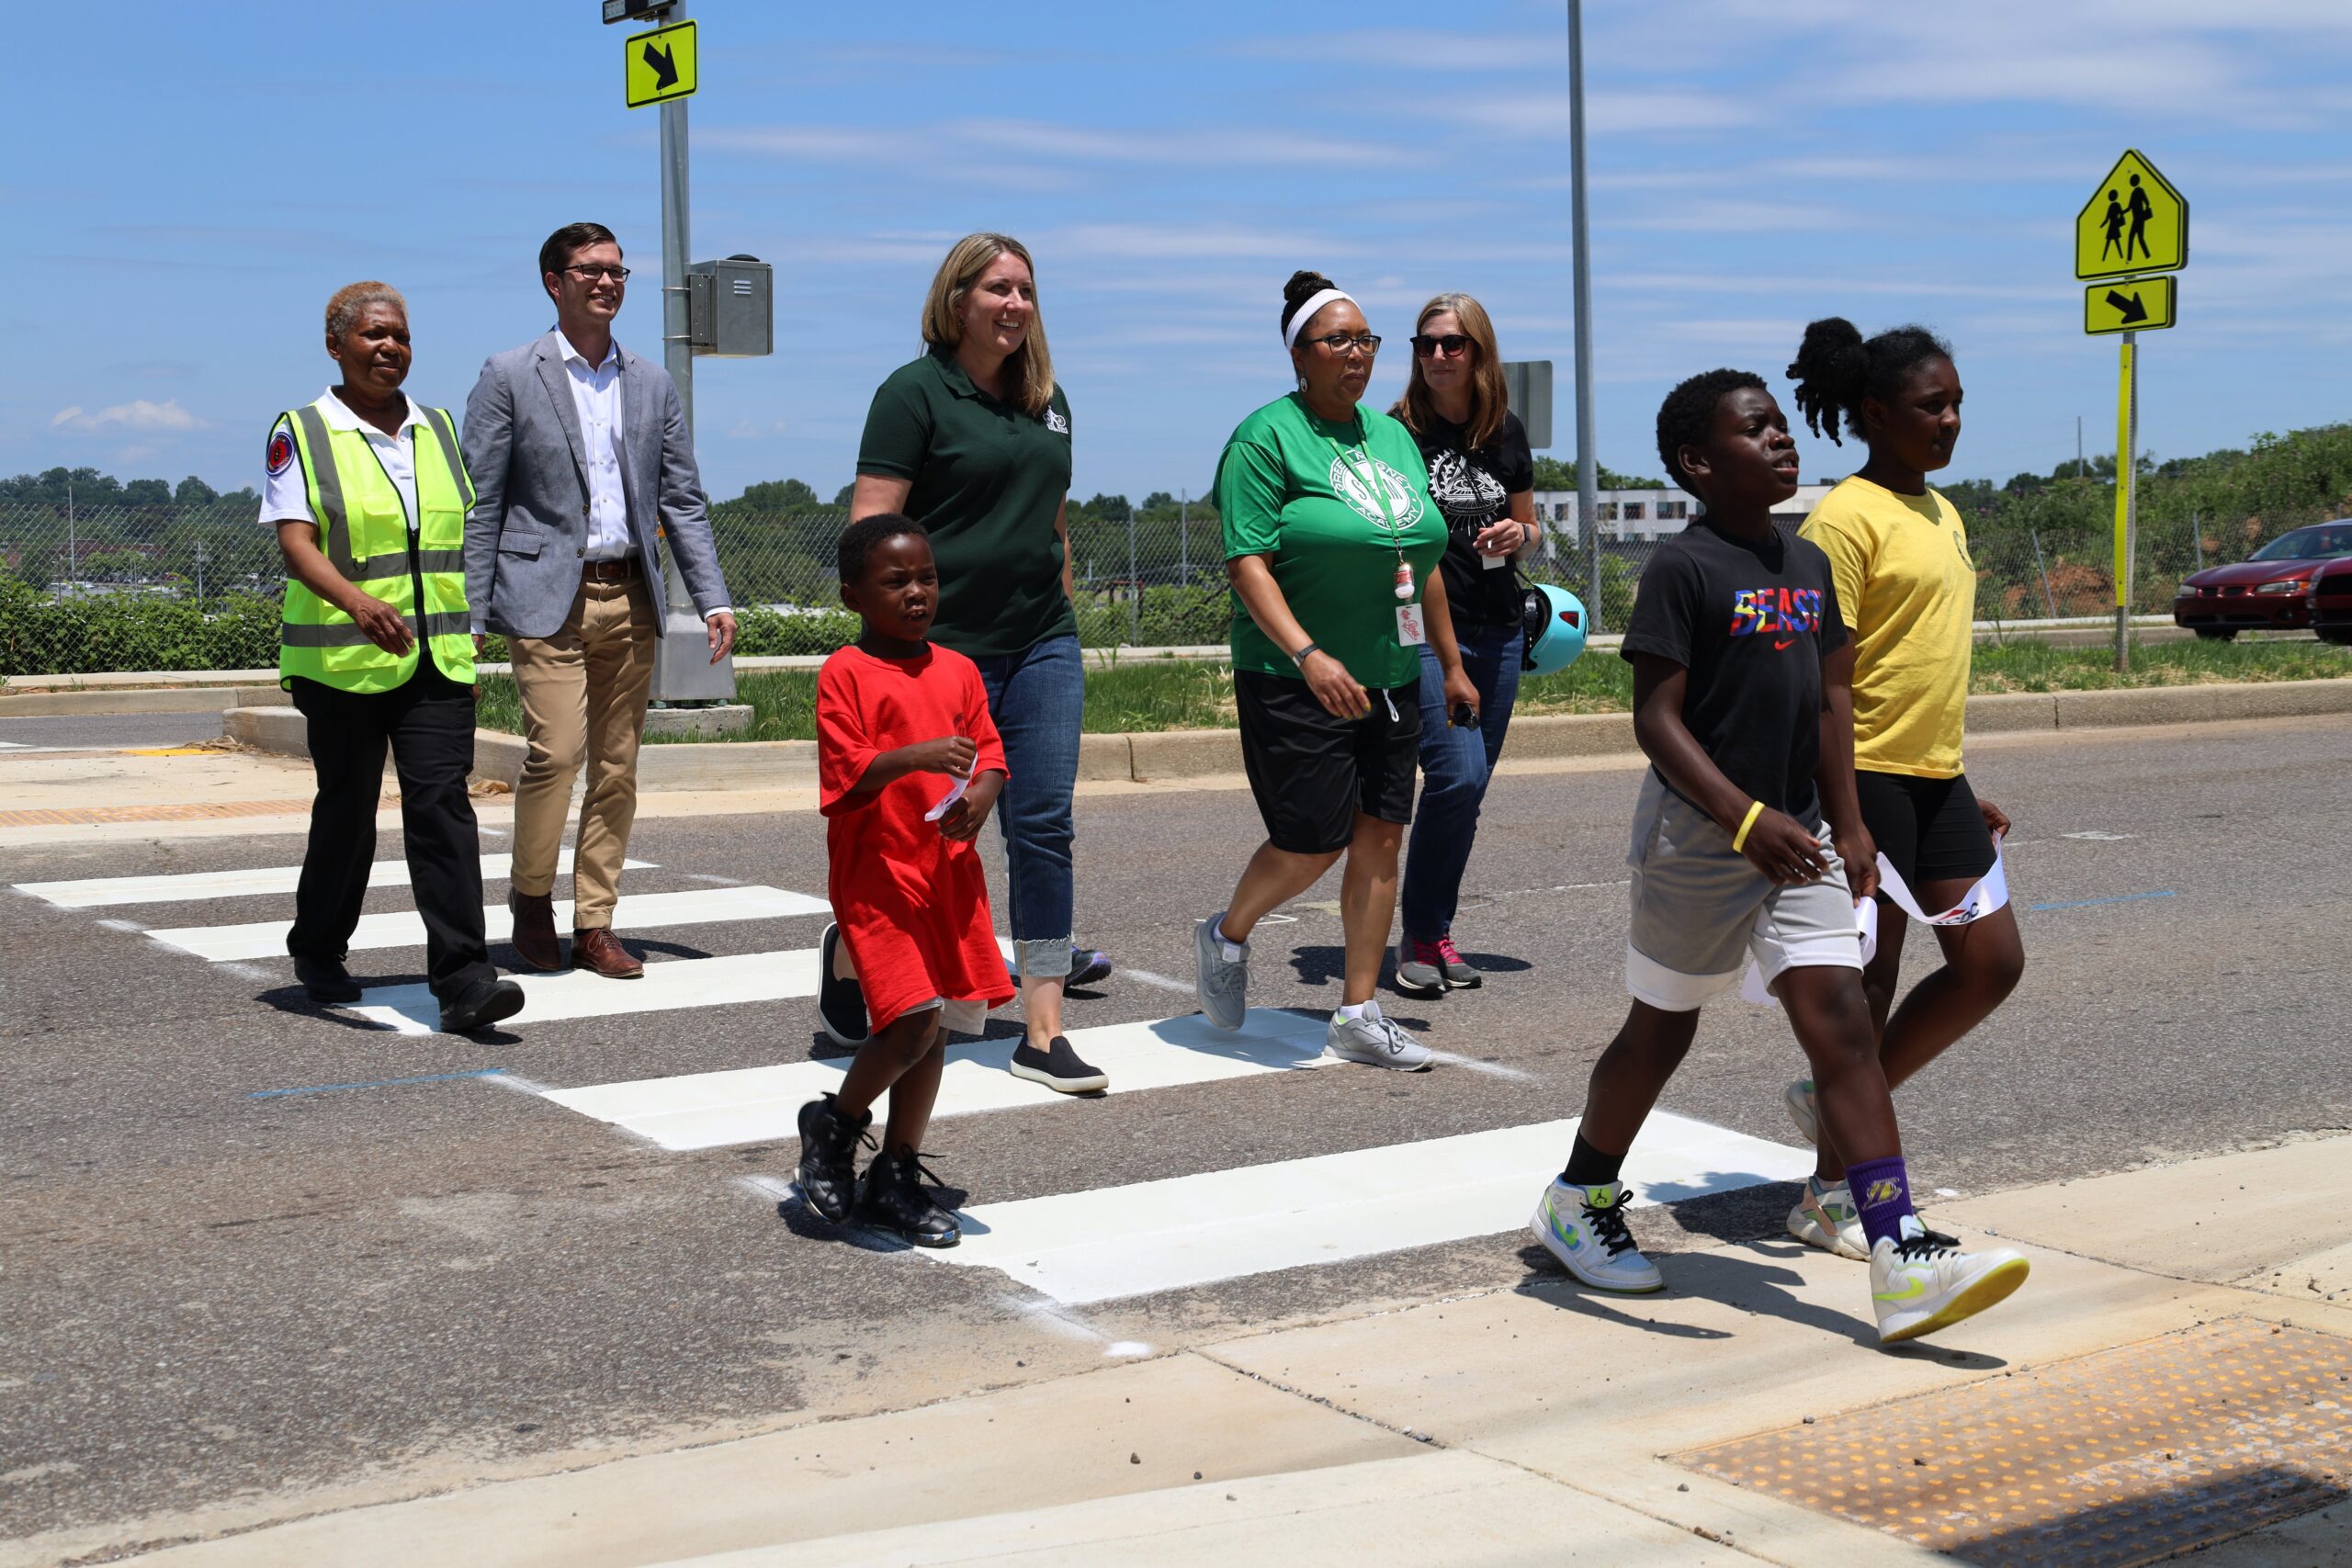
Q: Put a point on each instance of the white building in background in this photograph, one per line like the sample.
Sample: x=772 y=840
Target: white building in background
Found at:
x=1646 y=515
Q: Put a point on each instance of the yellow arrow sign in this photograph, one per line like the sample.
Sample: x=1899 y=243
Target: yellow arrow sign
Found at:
x=2134 y=221
x=659 y=65
x=2128 y=305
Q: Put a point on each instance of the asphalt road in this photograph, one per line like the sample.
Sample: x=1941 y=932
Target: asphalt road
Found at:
x=217 y=1295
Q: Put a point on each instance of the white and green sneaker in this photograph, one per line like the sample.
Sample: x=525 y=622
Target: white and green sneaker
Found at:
x=1923 y=1282
x=1804 y=1111
x=1584 y=1227
x=1826 y=1217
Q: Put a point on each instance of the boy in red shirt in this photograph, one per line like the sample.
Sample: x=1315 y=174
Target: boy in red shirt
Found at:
x=907 y=766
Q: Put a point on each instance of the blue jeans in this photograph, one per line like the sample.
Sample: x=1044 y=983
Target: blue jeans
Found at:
x=1037 y=698
x=1455 y=766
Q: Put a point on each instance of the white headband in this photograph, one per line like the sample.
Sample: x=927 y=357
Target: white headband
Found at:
x=1307 y=314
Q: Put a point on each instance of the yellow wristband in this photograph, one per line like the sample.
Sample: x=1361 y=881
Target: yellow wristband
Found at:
x=1739 y=840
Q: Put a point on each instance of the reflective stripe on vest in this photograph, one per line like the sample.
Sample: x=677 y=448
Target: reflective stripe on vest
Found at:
x=372 y=544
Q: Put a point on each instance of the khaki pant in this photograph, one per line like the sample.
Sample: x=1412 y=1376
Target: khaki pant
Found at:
x=584 y=693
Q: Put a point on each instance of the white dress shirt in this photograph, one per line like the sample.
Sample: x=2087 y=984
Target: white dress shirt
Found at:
x=596 y=400
x=285 y=490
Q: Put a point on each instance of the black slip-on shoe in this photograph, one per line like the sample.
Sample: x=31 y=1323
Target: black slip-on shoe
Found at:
x=841 y=1004
x=1058 y=1067
x=480 y=1005
x=326 y=981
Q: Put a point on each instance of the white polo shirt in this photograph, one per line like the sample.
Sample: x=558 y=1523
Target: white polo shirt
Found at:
x=285 y=490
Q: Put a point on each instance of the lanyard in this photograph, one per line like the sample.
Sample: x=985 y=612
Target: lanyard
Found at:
x=1369 y=477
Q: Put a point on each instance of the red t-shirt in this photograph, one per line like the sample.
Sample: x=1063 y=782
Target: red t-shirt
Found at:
x=913 y=904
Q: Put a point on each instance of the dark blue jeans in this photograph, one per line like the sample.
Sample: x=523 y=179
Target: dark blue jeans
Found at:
x=1037 y=698
x=1455 y=766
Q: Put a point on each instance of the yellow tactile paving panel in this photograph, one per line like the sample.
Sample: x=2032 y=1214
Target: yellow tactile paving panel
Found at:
x=45 y=816
x=2126 y=1457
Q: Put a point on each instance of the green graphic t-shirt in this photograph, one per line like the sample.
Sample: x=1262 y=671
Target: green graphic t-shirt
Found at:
x=1297 y=490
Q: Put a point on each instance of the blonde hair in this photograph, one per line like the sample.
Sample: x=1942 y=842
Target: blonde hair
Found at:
x=1029 y=378
x=1490 y=398
x=342 y=310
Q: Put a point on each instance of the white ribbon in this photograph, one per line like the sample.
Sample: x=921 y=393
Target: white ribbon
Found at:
x=1989 y=893
x=1307 y=314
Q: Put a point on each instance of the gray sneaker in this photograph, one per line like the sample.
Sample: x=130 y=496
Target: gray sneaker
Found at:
x=1223 y=983
x=1376 y=1042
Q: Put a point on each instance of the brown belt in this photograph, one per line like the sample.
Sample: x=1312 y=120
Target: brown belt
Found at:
x=622 y=570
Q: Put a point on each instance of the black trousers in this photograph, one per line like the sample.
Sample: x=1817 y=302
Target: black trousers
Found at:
x=428 y=723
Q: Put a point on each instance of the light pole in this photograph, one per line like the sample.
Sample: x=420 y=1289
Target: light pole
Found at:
x=1588 y=499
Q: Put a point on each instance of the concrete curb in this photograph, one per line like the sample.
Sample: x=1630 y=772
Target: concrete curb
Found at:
x=134 y=699
x=1167 y=755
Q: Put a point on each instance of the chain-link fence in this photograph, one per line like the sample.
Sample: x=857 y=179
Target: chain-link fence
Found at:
x=170 y=587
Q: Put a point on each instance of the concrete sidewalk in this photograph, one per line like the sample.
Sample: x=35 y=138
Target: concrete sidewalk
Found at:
x=1544 y=1424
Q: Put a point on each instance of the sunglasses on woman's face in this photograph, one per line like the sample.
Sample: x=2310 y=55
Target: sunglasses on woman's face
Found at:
x=1453 y=345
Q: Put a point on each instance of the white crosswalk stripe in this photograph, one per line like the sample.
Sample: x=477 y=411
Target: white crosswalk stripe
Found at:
x=1116 y=1242
x=701 y=1110
x=405 y=928
x=667 y=986
x=107 y=892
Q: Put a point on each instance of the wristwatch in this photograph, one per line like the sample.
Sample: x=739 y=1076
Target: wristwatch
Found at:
x=1299 y=658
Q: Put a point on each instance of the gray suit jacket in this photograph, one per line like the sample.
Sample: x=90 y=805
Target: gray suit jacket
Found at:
x=527 y=534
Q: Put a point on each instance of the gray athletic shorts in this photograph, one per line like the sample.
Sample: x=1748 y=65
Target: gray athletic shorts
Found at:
x=1700 y=910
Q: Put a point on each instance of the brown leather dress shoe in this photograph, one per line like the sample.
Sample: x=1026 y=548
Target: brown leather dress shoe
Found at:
x=598 y=949
x=534 y=941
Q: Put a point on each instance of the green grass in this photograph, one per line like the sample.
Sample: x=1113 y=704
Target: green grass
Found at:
x=1169 y=695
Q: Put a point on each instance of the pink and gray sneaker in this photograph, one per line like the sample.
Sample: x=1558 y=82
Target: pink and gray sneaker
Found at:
x=1433 y=968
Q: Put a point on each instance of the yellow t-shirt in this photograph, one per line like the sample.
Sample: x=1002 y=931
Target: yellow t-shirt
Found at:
x=1907 y=589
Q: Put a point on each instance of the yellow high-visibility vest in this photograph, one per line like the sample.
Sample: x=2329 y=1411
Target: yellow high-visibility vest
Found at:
x=363 y=530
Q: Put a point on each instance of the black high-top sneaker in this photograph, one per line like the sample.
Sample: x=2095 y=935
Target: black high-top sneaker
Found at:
x=892 y=1198
x=829 y=1140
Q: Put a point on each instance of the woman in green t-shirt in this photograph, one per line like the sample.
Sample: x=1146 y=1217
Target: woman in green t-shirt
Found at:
x=972 y=440
x=1331 y=543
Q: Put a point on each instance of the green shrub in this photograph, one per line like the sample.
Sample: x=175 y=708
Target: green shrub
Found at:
x=40 y=635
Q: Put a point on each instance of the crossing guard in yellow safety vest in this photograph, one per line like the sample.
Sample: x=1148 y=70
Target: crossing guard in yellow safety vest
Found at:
x=363 y=529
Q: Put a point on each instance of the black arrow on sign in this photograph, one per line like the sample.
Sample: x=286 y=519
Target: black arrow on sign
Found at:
x=665 y=66
x=2128 y=306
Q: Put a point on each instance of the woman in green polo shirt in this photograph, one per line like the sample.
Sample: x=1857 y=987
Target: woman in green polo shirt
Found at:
x=1331 y=543
x=972 y=440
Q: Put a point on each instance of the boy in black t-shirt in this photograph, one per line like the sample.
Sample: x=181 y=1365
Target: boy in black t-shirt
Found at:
x=1743 y=701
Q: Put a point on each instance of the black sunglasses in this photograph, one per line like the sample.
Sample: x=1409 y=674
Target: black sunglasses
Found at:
x=1453 y=345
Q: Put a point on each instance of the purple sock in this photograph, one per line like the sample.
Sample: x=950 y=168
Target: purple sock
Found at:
x=1882 y=1189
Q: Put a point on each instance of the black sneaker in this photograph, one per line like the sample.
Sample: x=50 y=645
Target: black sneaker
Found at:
x=480 y=1005
x=891 y=1198
x=841 y=1004
x=326 y=981
x=828 y=1173
x=1088 y=965
x=1058 y=1069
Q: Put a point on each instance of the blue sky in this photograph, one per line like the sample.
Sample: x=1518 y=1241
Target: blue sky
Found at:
x=191 y=183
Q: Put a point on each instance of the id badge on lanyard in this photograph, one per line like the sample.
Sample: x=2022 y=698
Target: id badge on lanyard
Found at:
x=1409 y=614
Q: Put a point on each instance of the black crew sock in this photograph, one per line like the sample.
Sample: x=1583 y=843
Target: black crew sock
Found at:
x=1588 y=1166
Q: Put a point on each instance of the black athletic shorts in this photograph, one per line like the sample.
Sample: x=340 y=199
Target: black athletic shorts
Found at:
x=1312 y=773
x=1929 y=829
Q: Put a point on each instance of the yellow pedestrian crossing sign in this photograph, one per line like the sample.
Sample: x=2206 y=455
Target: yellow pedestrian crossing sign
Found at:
x=660 y=65
x=2134 y=221
x=2127 y=304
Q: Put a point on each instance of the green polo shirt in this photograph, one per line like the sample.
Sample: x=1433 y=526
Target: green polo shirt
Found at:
x=989 y=481
x=1292 y=487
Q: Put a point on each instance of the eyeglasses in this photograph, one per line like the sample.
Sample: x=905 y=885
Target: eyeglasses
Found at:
x=1453 y=345
x=591 y=274
x=1340 y=342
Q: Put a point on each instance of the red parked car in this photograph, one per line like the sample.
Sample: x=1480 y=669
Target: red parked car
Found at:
x=2292 y=583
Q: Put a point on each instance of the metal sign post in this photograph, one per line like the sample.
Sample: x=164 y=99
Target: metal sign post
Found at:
x=1587 y=488
x=2127 y=441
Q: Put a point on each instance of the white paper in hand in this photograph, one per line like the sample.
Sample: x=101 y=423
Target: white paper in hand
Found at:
x=950 y=798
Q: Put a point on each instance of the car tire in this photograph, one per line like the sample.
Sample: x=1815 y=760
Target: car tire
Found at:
x=2216 y=634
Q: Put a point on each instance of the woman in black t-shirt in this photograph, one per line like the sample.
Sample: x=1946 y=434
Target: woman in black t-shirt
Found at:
x=1482 y=477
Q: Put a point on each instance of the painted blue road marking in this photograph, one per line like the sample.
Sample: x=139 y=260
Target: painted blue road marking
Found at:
x=377 y=1083
x=2122 y=898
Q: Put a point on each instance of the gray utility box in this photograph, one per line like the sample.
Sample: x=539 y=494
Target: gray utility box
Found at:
x=730 y=308
x=1528 y=384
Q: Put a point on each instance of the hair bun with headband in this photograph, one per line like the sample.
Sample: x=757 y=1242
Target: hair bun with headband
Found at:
x=1306 y=294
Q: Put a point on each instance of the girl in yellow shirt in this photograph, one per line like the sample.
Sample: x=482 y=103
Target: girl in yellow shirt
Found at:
x=1898 y=552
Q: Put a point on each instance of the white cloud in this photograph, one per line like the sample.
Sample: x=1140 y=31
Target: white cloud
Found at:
x=137 y=414
x=960 y=144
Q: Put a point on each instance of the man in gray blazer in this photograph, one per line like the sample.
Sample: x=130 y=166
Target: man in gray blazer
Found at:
x=579 y=452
